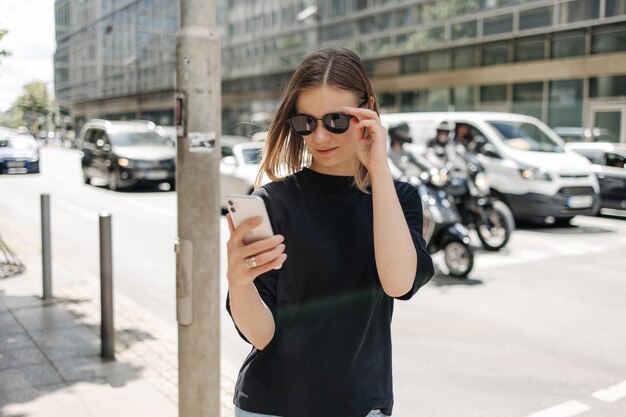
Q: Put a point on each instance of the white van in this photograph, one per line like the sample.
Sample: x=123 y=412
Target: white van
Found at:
x=528 y=165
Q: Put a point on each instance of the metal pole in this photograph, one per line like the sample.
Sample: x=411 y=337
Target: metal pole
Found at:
x=107 y=331
x=46 y=254
x=197 y=183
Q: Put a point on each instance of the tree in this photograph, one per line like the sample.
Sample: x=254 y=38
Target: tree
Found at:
x=34 y=108
x=3 y=52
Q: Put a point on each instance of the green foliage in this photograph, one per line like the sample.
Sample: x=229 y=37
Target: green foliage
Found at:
x=448 y=8
x=31 y=108
x=3 y=52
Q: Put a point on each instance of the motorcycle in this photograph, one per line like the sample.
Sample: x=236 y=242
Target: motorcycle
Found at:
x=479 y=209
x=442 y=228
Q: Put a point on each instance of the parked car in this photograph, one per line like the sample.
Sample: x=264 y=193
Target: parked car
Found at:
x=19 y=153
x=241 y=159
x=527 y=163
x=127 y=153
x=609 y=164
x=579 y=134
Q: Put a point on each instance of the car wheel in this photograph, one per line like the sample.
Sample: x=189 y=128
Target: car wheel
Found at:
x=114 y=181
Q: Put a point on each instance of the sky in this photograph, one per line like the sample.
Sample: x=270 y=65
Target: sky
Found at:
x=31 y=42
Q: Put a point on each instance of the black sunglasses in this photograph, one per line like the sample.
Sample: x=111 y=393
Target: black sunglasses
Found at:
x=305 y=124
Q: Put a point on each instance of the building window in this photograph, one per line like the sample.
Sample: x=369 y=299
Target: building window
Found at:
x=535 y=18
x=615 y=8
x=360 y=4
x=408 y=100
x=406 y=41
x=565 y=107
x=493 y=93
x=579 y=10
x=463 y=98
x=495 y=53
x=608 y=39
x=387 y=100
x=437 y=61
x=435 y=99
x=568 y=44
x=498 y=24
x=464 y=30
x=411 y=64
x=431 y=36
x=529 y=49
x=607 y=86
x=464 y=57
x=528 y=99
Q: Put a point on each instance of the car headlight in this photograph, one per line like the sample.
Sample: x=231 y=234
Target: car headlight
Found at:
x=535 y=174
x=482 y=183
x=123 y=162
x=34 y=158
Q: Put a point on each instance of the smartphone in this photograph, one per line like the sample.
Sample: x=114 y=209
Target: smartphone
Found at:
x=244 y=207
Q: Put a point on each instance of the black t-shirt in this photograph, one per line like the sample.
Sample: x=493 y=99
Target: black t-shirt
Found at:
x=331 y=350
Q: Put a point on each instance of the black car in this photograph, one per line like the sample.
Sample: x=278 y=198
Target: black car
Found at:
x=609 y=165
x=19 y=154
x=127 y=153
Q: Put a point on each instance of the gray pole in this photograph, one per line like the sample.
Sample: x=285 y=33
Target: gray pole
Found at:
x=198 y=89
x=107 y=331
x=46 y=255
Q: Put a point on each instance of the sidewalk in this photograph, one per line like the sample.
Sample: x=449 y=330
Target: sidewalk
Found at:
x=49 y=350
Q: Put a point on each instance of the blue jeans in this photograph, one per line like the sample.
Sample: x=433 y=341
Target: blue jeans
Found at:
x=241 y=413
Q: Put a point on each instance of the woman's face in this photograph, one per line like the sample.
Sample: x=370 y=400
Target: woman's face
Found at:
x=333 y=153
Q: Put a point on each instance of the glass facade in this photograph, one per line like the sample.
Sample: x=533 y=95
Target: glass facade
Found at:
x=110 y=49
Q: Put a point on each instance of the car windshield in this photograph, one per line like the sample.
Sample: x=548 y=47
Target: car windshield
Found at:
x=18 y=142
x=252 y=155
x=525 y=136
x=146 y=138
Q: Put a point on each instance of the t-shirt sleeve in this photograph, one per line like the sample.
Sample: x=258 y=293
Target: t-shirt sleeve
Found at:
x=412 y=208
x=265 y=283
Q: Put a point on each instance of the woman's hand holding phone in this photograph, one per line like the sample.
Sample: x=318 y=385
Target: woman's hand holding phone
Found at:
x=268 y=253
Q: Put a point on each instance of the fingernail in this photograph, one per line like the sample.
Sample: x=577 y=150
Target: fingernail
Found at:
x=281 y=247
x=280 y=238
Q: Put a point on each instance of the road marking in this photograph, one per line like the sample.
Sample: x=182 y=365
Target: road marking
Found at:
x=568 y=409
x=611 y=394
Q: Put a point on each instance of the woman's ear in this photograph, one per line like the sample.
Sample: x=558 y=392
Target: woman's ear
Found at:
x=372 y=103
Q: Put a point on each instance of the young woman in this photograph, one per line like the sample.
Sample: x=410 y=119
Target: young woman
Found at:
x=320 y=324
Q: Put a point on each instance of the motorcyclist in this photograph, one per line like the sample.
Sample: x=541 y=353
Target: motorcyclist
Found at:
x=440 y=149
x=405 y=161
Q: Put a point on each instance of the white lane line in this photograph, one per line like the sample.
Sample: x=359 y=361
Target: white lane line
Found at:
x=568 y=409
x=611 y=394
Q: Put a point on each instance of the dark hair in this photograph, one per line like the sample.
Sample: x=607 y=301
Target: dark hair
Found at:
x=335 y=67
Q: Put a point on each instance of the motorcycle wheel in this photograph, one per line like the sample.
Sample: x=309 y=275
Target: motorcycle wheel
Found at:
x=459 y=259
x=502 y=222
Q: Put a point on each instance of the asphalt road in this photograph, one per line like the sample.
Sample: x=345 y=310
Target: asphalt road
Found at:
x=537 y=330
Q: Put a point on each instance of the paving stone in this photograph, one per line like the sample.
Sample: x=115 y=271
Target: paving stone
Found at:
x=94 y=368
x=48 y=317
x=28 y=376
x=16 y=340
x=22 y=395
x=67 y=342
x=8 y=325
x=17 y=358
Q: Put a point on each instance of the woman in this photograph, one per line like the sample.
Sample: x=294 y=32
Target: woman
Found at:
x=319 y=320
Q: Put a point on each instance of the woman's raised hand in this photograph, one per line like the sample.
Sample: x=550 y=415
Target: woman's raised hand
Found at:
x=248 y=261
x=371 y=145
